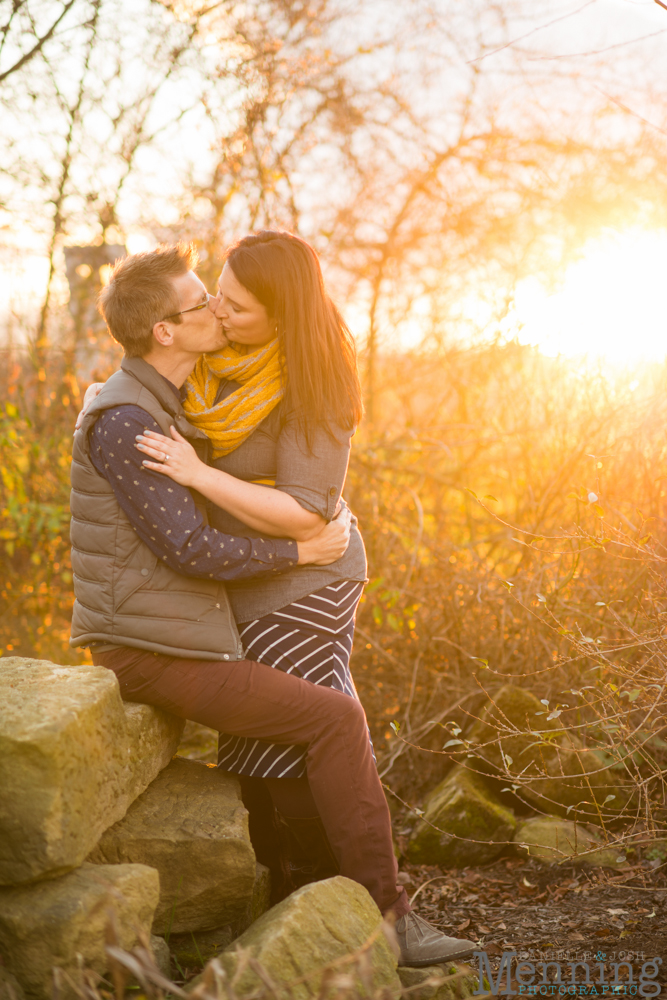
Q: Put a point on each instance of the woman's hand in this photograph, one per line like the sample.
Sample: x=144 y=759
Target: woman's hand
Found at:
x=330 y=544
x=174 y=457
x=91 y=393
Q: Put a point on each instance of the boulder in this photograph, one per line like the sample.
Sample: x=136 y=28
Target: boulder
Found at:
x=317 y=925
x=439 y=982
x=52 y=923
x=514 y=737
x=191 y=825
x=73 y=757
x=461 y=807
x=552 y=839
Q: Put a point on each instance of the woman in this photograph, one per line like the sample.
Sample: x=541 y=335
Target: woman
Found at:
x=280 y=405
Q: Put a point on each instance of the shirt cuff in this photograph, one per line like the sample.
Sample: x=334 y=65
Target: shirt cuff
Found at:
x=279 y=553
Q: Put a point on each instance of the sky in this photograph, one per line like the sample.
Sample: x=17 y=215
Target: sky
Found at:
x=610 y=298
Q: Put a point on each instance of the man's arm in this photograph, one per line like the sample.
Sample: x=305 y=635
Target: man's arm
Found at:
x=164 y=514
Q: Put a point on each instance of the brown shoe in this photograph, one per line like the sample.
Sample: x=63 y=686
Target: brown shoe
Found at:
x=421 y=944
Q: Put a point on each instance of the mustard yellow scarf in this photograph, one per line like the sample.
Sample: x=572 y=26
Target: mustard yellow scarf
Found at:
x=229 y=422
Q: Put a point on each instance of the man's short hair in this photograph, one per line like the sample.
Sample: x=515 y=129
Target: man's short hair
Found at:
x=140 y=293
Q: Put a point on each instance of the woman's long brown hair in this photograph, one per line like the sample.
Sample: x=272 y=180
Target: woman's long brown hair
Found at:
x=283 y=272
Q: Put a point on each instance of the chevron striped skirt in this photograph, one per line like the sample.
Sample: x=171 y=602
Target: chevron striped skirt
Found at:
x=311 y=638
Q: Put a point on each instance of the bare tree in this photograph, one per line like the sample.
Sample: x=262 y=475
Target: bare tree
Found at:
x=402 y=145
x=21 y=27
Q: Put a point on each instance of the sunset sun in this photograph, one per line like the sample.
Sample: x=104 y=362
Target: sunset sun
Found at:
x=610 y=305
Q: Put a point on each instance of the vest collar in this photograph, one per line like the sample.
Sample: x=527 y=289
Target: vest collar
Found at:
x=151 y=379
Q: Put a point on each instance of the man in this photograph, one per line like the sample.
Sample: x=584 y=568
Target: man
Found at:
x=150 y=600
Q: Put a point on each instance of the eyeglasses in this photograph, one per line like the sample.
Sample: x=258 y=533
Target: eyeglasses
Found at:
x=182 y=312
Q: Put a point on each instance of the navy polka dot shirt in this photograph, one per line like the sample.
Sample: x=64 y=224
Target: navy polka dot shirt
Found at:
x=164 y=514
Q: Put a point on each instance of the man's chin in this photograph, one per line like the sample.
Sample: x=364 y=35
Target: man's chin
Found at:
x=218 y=345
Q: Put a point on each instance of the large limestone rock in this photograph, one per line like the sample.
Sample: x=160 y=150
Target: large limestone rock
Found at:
x=191 y=825
x=552 y=839
x=73 y=757
x=316 y=925
x=52 y=922
x=515 y=737
x=461 y=807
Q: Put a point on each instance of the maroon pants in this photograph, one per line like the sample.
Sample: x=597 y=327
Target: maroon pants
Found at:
x=244 y=698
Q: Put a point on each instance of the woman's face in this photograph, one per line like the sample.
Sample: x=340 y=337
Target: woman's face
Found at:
x=244 y=319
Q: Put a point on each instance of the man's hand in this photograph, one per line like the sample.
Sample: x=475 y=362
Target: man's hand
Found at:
x=91 y=392
x=330 y=544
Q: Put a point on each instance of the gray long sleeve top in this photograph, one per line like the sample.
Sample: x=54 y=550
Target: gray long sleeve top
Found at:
x=315 y=477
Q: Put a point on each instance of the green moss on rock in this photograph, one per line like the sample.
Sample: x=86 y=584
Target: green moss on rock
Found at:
x=461 y=807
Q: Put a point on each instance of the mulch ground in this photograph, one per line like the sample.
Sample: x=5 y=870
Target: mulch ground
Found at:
x=548 y=913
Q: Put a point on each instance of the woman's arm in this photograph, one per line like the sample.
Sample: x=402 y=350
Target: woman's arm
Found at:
x=261 y=508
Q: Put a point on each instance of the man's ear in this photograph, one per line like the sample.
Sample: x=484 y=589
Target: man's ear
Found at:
x=163 y=334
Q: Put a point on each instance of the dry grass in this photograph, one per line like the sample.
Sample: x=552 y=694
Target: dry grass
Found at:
x=489 y=561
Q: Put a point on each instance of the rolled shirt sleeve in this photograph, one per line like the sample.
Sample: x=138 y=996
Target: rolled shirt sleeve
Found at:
x=313 y=475
x=164 y=514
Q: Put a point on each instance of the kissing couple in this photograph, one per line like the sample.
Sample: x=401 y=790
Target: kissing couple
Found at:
x=217 y=567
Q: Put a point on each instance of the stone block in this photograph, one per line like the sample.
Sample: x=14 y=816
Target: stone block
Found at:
x=439 y=982
x=191 y=825
x=462 y=807
x=194 y=949
x=552 y=839
x=73 y=757
x=514 y=736
x=51 y=923
x=313 y=927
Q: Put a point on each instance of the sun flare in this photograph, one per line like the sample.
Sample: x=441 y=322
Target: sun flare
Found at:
x=611 y=305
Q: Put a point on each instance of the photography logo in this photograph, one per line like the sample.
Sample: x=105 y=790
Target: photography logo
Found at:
x=590 y=974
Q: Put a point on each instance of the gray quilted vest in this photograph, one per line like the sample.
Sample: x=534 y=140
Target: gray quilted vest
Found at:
x=124 y=594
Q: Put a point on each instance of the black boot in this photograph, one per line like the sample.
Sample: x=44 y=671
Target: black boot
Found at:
x=307 y=849
x=266 y=836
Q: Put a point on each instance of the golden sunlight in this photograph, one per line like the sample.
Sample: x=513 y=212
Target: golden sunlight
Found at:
x=610 y=305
